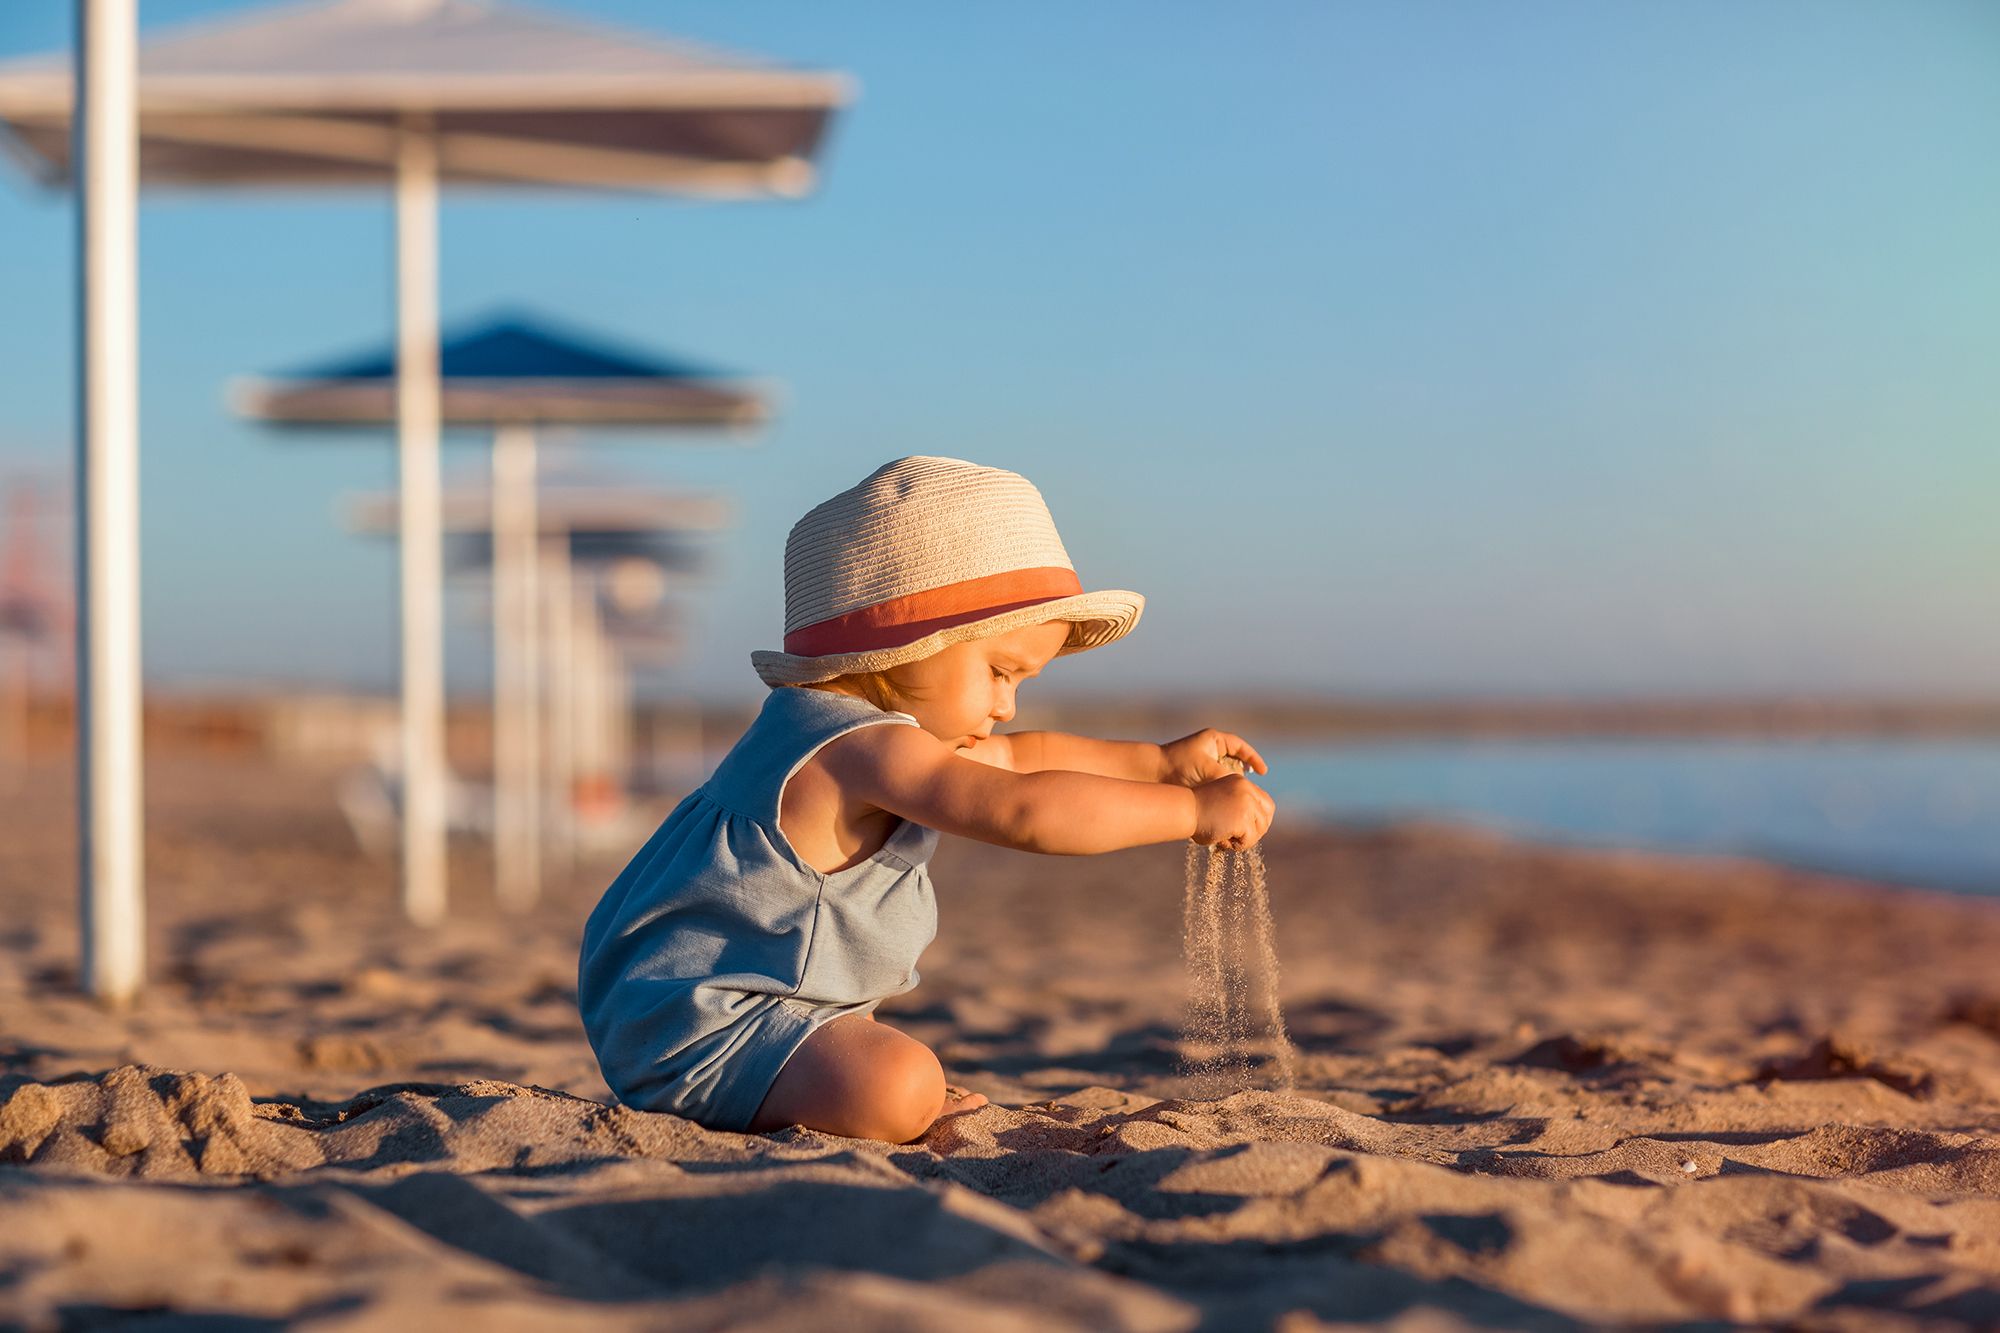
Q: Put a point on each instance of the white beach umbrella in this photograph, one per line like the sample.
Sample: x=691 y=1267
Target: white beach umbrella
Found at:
x=560 y=511
x=410 y=93
x=582 y=531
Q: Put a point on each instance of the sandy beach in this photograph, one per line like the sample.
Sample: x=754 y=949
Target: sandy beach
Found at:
x=1538 y=1089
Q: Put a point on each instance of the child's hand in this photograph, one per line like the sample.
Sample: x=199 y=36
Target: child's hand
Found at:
x=1207 y=755
x=1231 y=812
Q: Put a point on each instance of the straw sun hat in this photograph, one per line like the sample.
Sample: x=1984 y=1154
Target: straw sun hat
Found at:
x=921 y=554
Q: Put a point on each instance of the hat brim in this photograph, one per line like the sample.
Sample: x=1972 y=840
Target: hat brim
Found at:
x=1095 y=619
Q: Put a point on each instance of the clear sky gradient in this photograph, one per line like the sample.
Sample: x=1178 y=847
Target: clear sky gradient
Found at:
x=1394 y=348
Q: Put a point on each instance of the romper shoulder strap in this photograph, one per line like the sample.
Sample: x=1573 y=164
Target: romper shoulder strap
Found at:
x=791 y=727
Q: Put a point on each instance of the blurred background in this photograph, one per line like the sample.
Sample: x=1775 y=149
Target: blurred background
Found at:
x=1571 y=418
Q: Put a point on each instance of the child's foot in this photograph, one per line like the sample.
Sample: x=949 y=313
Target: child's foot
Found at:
x=957 y=1100
x=942 y=1136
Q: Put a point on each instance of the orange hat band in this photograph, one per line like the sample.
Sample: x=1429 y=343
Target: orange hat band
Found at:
x=906 y=619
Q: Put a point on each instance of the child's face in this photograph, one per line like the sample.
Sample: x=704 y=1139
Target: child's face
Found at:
x=960 y=694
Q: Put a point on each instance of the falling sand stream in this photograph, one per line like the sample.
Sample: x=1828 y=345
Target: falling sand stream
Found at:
x=1232 y=958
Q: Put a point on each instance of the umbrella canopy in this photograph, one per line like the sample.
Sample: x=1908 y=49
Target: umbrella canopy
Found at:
x=650 y=637
x=317 y=94
x=512 y=368
x=560 y=510
x=668 y=551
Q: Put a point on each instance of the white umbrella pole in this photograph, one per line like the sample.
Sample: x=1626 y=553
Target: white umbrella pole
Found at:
x=422 y=542
x=587 y=695
x=517 y=854
x=617 y=718
x=109 y=765
x=558 y=626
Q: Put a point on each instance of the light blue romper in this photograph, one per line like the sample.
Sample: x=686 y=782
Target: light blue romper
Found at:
x=717 y=951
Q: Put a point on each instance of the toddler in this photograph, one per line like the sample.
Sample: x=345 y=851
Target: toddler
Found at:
x=731 y=971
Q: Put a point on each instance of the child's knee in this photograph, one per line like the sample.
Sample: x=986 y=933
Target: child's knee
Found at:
x=860 y=1080
x=908 y=1091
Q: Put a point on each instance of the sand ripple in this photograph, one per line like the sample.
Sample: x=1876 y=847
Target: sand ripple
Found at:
x=1107 y=1210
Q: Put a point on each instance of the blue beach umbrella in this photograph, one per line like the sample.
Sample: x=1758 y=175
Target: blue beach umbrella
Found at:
x=513 y=369
x=513 y=372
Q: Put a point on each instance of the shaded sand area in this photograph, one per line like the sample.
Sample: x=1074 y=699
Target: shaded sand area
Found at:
x=1537 y=1089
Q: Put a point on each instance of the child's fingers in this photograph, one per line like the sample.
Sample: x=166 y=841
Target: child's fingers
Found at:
x=1242 y=751
x=1233 y=749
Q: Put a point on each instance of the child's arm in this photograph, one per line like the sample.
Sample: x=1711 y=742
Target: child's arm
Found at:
x=910 y=773
x=1189 y=761
x=1040 y=751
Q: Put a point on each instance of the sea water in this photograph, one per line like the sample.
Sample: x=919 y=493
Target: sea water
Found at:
x=1919 y=811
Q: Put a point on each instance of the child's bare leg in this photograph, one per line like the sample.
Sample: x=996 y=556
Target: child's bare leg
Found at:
x=957 y=1100
x=861 y=1079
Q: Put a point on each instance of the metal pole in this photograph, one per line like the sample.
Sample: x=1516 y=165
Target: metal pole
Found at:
x=559 y=625
x=422 y=549
x=586 y=688
x=617 y=718
x=109 y=763
x=517 y=853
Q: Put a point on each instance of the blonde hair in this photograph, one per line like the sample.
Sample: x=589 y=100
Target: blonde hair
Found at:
x=877 y=687
x=885 y=688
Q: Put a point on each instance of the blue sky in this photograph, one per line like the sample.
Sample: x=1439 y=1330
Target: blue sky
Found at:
x=1407 y=348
